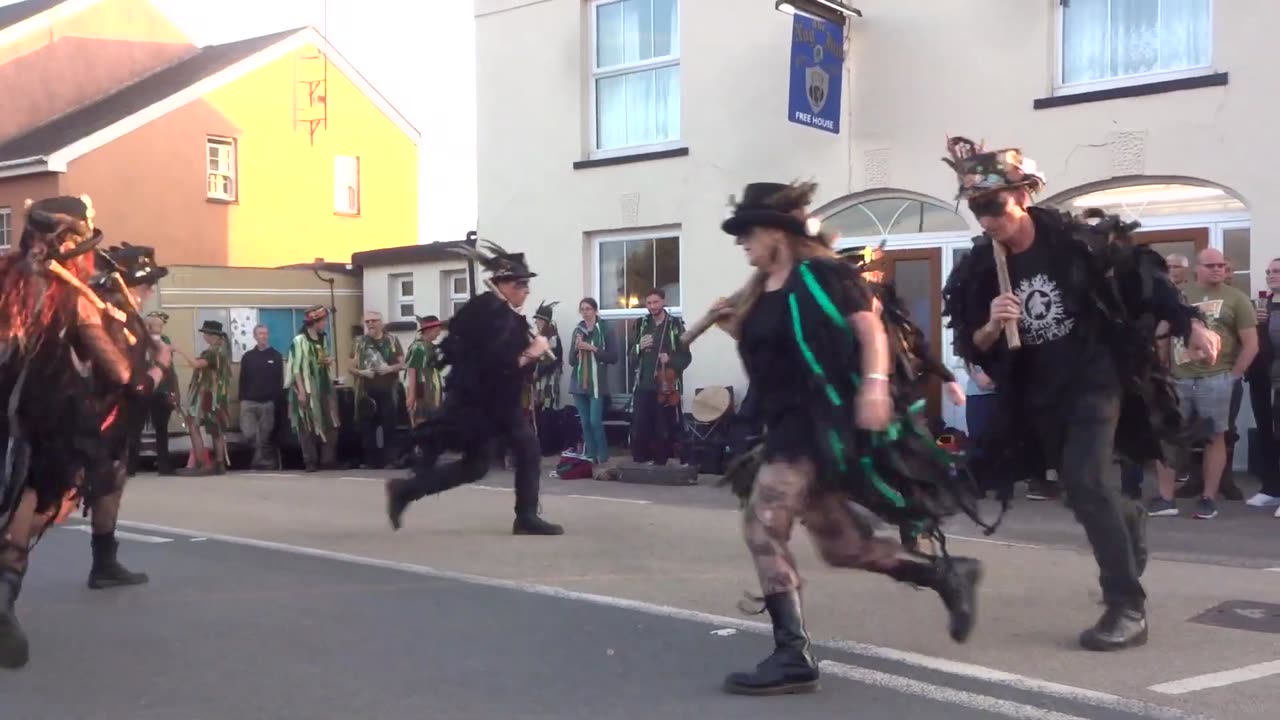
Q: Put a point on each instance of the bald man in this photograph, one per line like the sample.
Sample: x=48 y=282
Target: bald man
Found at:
x=1205 y=389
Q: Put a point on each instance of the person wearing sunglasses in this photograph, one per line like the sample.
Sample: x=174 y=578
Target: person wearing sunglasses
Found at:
x=1084 y=300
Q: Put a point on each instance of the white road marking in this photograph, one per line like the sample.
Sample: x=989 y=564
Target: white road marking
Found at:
x=198 y=539
x=487 y=487
x=984 y=703
x=928 y=662
x=994 y=542
x=152 y=539
x=262 y=474
x=363 y=479
x=1218 y=679
x=724 y=632
x=1272 y=570
x=621 y=500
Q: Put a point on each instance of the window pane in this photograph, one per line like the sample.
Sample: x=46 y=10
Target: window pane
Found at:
x=611 y=112
x=667 y=269
x=637 y=30
x=612 y=274
x=666 y=98
x=459 y=284
x=608 y=35
x=1085 y=44
x=1135 y=41
x=936 y=219
x=406 y=310
x=666 y=27
x=1235 y=246
x=912 y=280
x=639 y=275
x=618 y=374
x=1185 y=34
x=406 y=288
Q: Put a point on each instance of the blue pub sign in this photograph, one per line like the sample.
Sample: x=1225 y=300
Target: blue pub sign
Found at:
x=817 y=73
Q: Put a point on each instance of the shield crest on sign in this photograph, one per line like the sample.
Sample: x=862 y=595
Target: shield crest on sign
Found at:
x=817 y=83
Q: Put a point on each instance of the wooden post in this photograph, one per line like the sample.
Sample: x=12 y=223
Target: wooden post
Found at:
x=1006 y=286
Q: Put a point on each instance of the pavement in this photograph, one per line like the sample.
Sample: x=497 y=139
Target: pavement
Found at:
x=282 y=595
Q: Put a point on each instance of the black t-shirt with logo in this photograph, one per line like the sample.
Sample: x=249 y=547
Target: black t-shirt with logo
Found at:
x=1062 y=354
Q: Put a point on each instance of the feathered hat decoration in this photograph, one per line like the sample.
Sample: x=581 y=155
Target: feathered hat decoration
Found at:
x=545 y=310
x=982 y=171
x=499 y=263
x=64 y=224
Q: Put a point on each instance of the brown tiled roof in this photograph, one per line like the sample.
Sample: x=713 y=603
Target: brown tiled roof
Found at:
x=87 y=119
x=17 y=12
x=408 y=254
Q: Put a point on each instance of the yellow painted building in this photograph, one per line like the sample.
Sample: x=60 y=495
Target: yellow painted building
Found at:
x=258 y=153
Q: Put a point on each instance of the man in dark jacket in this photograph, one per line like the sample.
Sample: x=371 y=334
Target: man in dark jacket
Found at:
x=1085 y=304
x=261 y=387
x=491 y=358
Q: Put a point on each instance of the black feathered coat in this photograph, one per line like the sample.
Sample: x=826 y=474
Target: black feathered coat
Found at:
x=1128 y=291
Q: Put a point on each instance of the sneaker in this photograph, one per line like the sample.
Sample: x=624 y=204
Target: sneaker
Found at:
x=1262 y=500
x=1159 y=507
x=1206 y=509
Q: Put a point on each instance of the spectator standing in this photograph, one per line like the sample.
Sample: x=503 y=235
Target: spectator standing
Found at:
x=376 y=364
x=261 y=385
x=589 y=352
x=1205 y=389
x=1264 y=382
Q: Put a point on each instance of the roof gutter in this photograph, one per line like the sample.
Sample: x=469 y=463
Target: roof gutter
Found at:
x=30 y=166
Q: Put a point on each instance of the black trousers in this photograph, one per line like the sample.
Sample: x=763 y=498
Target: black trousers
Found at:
x=1081 y=438
x=158 y=411
x=509 y=429
x=655 y=430
x=1262 y=398
x=382 y=412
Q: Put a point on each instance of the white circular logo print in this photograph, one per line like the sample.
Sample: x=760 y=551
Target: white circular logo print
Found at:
x=1044 y=317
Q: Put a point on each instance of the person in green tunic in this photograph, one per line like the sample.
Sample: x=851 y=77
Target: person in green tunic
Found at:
x=313 y=406
x=546 y=383
x=208 y=396
x=423 y=383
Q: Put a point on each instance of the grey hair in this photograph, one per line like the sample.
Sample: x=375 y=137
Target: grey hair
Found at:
x=1177 y=260
x=261 y=325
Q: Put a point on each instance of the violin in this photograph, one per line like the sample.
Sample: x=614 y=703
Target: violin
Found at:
x=668 y=396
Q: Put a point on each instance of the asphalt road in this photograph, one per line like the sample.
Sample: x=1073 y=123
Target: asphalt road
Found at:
x=237 y=632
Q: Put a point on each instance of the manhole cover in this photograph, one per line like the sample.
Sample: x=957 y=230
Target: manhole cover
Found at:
x=1242 y=615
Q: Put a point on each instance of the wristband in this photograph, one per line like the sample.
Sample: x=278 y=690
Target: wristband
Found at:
x=877 y=376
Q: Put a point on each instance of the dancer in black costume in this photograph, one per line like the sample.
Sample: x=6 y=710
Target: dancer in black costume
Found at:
x=126 y=277
x=491 y=357
x=818 y=357
x=1086 y=378
x=51 y=325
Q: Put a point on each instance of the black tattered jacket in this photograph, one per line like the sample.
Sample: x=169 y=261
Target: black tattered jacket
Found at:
x=1128 y=293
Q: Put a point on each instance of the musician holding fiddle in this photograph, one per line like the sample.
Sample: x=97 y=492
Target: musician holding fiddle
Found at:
x=660 y=359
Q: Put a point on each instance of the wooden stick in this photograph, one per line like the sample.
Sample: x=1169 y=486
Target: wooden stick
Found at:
x=1006 y=286
x=66 y=276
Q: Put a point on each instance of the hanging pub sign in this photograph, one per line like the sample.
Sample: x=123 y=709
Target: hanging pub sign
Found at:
x=817 y=73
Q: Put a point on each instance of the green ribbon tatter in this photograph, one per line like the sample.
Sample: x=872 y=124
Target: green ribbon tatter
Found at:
x=809 y=357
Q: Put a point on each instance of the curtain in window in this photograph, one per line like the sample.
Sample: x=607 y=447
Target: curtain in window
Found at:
x=1104 y=39
x=641 y=107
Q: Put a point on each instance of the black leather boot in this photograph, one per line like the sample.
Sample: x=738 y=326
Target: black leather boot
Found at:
x=397 y=500
x=956 y=582
x=531 y=524
x=14 y=650
x=791 y=668
x=1119 y=627
x=107 y=572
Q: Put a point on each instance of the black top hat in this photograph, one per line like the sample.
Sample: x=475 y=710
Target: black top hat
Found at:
x=212 y=327
x=502 y=265
x=51 y=220
x=136 y=264
x=545 y=310
x=983 y=171
x=773 y=205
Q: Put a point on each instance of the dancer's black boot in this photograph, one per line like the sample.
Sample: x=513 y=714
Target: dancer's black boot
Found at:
x=956 y=582
x=791 y=668
x=14 y=651
x=107 y=572
x=1121 y=626
x=528 y=523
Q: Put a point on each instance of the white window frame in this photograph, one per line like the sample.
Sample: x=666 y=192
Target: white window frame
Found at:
x=398 y=297
x=596 y=74
x=346 y=185
x=230 y=173
x=6 y=228
x=652 y=234
x=1063 y=88
x=452 y=296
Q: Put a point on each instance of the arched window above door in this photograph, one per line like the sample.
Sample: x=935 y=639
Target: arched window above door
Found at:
x=894 y=215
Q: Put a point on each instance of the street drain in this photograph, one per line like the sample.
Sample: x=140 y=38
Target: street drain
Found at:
x=1242 y=615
